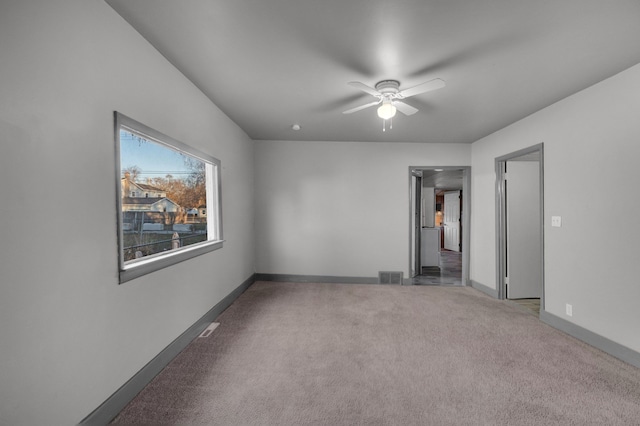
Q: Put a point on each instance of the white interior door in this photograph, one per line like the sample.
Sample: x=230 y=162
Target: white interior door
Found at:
x=524 y=238
x=451 y=220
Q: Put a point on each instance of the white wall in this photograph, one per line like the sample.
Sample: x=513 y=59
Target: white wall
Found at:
x=338 y=208
x=69 y=334
x=591 y=151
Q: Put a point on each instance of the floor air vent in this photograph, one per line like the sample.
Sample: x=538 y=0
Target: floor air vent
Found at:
x=207 y=331
x=389 y=277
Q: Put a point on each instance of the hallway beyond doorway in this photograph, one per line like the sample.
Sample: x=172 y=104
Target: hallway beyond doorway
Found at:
x=425 y=210
x=448 y=273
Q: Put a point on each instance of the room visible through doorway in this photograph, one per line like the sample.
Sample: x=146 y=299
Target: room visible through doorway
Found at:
x=439 y=225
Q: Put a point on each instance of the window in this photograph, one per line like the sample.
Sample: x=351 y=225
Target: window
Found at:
x=161 y=182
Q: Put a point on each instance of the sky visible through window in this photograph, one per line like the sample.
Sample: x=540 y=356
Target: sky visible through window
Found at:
x=153 y=159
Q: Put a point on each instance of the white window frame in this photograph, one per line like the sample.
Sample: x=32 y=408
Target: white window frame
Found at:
x=136 y=268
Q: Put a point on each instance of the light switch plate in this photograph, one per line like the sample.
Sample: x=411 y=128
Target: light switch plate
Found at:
x=556 y=221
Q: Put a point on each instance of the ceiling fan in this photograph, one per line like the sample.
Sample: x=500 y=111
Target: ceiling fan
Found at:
x=390 y=96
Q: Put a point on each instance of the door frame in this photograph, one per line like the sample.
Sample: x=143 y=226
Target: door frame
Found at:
x=466 y=216
x=501 y=218
x=415 y=220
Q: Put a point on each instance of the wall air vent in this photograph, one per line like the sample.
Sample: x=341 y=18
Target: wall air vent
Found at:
x=390 y=277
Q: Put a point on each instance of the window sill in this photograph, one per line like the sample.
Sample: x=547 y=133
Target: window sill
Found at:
x=153 y=263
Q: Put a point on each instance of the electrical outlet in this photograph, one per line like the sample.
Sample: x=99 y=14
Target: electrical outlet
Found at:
x=569 y=310
x=556 y=221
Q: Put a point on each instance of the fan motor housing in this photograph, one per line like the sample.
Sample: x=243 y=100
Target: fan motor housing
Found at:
x=388 y=86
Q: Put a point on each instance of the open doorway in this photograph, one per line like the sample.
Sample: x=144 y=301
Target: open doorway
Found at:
x=519 y=225
x=439 y=225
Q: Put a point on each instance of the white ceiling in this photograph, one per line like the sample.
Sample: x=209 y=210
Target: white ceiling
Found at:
x=269 y=64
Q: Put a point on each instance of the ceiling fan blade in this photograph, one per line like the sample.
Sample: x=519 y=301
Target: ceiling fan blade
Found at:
x=422 y=88
x=361 y=107
x=405 y=108
x=364 y=88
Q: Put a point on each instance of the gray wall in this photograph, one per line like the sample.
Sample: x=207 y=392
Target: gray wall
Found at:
x=70 y=335
x=591 y=150
x=338 y=208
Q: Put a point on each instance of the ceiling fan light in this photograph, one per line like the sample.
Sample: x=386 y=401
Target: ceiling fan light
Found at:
x=386 y=110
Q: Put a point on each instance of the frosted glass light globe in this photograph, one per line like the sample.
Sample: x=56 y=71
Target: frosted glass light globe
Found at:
x=386 y=110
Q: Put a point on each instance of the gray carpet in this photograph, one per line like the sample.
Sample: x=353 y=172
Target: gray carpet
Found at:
x=330 y=354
